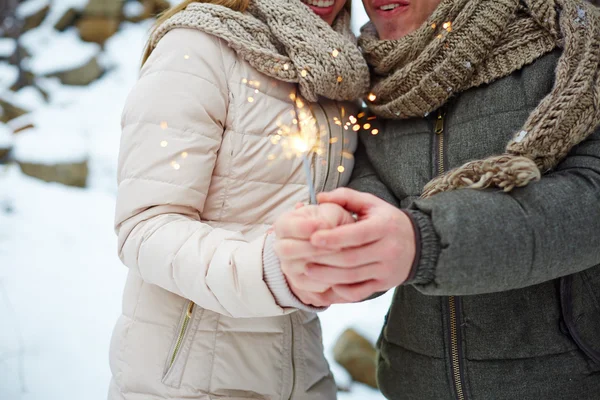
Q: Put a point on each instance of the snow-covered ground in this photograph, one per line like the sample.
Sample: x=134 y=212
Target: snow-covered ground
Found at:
x=60 y=278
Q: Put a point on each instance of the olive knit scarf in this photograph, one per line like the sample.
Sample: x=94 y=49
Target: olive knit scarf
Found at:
x=285 y=40
x=467 y=43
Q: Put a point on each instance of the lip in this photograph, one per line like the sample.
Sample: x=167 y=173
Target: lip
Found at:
x=377 y=4
x=321 y=11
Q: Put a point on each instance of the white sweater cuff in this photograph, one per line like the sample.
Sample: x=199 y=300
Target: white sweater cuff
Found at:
x=276 y=281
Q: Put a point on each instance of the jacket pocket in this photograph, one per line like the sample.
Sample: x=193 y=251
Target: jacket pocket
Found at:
x=180 y=349
x=580 y=307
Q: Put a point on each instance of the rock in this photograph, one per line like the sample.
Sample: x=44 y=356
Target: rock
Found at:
x=9 y=111
x=6 y=142
x=52 y=156
x=104 y=8
x=71 y=174
x=358 y=356
x=160 y=6
x=81 y=76
x=20 y=53
x=97 y=29
x=34 y=20
x=4 y=152
x=67 y=20
x=155 y=7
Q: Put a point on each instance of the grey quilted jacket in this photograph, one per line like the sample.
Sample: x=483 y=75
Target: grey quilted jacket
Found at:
x=505 y=300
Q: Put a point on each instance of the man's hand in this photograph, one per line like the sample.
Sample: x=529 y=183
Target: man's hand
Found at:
x=293 y=231
x=373 y=255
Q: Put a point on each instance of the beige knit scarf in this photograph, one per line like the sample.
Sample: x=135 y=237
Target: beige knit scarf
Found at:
x=285 y=40
x=467 y=43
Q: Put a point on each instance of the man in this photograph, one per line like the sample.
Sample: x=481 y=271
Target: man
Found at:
x=496 y=263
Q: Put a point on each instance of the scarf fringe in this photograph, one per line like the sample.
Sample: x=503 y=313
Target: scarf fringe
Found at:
x=505 y=172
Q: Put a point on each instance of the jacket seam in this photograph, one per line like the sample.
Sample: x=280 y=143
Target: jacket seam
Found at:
x=171 y=128
x=132 y=178
x=411 y=350
x=576 y=351
x=183 y=73
x=214 y=352
x=256 y=181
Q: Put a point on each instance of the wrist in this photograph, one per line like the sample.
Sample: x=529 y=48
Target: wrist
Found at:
x=277 y=282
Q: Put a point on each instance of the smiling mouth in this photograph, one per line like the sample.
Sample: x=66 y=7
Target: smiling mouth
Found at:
x=319 y=3
x=389 y=7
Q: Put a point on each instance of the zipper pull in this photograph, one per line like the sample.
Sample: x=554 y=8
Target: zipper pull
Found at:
x=439 y=123
x=190 y=309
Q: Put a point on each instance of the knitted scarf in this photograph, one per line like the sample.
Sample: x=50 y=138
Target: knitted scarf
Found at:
x=467 y=43
x=285 y=40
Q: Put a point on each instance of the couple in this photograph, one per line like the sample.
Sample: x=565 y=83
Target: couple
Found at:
x=475 y=194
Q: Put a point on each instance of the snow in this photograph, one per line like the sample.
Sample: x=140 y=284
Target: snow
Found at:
x=7 y=47
x=28 y=98
x=60 y=279
x=8 y=76
x=49 y=148
x=60 y=290
x=29 y=8
x=6 y=137
x=133 y=9
x=46 y=44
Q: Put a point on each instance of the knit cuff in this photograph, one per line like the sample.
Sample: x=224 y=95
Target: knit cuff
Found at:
x=427 y=246
x=276 y=281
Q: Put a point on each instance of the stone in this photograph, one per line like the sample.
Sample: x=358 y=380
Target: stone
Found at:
x=9 y=111
x=70 y=174
x=67 y=20
x=104 y=8
x=34 y=20
x=160 y=6
x=4 y=152
x=6 y=142
x=81 y=76
x=358 y=356
x=97 y=29
x=155 y=7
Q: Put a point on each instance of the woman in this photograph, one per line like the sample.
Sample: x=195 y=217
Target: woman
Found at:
x=222 y=97
x=489 y=158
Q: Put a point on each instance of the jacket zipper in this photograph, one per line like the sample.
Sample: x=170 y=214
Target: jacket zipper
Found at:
x=453 y=302
x=292 y=346
x=184 y=325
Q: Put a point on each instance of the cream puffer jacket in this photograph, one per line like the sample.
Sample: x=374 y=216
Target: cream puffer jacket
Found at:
x=200 y=183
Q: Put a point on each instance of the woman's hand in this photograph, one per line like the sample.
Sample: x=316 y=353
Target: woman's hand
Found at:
x=293 y=231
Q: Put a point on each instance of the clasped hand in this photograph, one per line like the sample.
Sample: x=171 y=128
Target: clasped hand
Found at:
x=330 y=257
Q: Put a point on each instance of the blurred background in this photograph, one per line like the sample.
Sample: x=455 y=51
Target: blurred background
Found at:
x=66 y=67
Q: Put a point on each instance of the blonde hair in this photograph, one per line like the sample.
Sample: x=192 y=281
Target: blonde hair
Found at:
x=235 y=5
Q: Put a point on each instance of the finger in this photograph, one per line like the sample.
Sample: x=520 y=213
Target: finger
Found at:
x=320 y=299
x=358 y=291
x=358 y=234
x=298 y=206
x=350 y=257
x=296 y=227
x=304 y=283
x=351 y=200
x=341 y=276
x=295 y=249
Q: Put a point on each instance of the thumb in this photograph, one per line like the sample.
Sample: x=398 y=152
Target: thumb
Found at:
x=351 y=200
